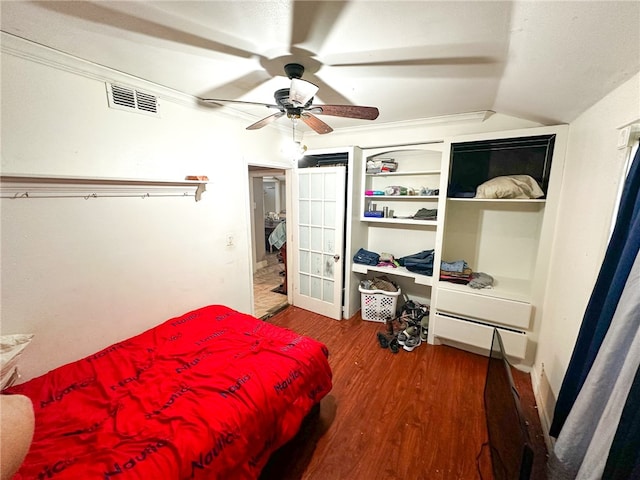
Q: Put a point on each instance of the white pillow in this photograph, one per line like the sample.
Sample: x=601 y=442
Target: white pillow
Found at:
x=510 y=186
x=11 y=346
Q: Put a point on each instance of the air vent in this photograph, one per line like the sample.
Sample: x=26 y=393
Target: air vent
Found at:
x=127 y=98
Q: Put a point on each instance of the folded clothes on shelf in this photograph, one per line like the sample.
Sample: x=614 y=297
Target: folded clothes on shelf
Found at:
x=421 y=262
x=457 y=271
x=426 y=214
x=366 y=257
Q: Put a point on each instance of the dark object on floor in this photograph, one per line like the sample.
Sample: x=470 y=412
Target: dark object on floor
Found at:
x=383 y=340
x=509 y=442
x=279 y=289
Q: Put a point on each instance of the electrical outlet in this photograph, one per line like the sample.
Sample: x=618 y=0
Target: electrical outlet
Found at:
x=229 y=240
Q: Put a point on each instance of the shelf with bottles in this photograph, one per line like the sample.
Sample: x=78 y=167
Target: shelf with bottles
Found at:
x=390 y=209
x=403 y=187
x=410 y=174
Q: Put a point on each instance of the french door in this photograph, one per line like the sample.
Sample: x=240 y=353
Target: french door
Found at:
x=319 y=202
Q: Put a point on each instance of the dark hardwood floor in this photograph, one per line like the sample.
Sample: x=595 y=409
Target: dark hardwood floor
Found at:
x=411 y=415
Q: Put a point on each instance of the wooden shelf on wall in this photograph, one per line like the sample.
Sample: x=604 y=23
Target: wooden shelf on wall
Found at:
x=15 y=186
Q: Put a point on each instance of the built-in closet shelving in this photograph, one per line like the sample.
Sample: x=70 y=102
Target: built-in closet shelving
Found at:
x=419 y=167
x=509 y=239
x=506 y=238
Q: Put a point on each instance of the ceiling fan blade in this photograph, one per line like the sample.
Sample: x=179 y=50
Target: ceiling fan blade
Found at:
x=315 y=123
x=148 y=20
x=347 y=111
x=313 y=21
x=301 y=91
x=238 y=86
x=265 y=121
x=425 y=55
x=241 y=102
x=477 y=60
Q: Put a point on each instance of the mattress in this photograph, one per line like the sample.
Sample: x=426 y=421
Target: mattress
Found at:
x=209 y=394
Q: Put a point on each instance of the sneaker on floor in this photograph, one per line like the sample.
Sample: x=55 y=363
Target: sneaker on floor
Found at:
x=424 y=334
x=412 y=342
x=424 y=327
x=407 y=333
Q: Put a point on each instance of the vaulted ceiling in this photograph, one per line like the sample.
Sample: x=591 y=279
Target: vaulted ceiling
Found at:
x=542 y=61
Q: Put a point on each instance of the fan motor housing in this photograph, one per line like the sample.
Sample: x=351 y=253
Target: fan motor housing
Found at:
x=294 y=70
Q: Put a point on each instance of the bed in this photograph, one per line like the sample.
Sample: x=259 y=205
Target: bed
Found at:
x=209 y=394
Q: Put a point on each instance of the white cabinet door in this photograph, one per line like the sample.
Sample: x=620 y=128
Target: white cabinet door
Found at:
x=319 y=202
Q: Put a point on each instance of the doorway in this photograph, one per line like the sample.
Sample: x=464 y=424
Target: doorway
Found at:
x=267 y=187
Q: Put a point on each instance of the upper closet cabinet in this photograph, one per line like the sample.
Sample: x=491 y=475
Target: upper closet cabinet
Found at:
x=500 y=210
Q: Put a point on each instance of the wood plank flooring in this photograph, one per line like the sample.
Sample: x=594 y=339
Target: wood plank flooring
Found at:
x=411 y=415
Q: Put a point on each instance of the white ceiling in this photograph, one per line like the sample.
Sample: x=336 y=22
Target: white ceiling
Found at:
x=542 y=61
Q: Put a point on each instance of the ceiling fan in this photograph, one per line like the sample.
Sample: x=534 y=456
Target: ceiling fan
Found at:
x=296 y=102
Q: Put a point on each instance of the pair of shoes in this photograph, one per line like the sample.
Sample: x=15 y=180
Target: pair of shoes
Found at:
x=386 y=342
x=407 y=333
x=412 y=342
x=383 y=340
x=423 y=334
x=424 y=328
x=412 y=337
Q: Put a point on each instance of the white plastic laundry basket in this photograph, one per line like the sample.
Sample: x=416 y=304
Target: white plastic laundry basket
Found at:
x=378 y=305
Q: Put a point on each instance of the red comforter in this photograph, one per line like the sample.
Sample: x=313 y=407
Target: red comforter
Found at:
x=210 y=394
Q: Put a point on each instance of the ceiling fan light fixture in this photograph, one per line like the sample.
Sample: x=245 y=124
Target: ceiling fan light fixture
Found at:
x=301 y=91
x=294 y=150
x=296 y=103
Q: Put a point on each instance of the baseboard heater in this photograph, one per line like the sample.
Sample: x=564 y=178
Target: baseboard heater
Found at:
x=479 y=334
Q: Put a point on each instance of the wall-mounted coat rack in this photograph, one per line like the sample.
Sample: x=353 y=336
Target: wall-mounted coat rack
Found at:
x=52 y=186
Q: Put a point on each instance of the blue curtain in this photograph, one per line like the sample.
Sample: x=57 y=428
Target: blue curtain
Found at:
x=619 y=258
x=623 y=461
x=620 y=255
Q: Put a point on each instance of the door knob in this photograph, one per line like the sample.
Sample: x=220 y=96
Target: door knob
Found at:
x=336 y=257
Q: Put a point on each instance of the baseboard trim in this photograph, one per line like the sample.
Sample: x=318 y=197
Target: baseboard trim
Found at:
x=543 y=394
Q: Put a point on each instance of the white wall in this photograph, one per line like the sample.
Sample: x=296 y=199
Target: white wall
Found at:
x=82 y=274
x=590 y=184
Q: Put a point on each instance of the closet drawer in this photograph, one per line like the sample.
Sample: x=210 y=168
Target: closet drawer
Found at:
x=482 y=307
x=479 y=335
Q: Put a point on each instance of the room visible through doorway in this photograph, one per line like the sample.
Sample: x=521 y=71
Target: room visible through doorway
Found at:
x=268 y=199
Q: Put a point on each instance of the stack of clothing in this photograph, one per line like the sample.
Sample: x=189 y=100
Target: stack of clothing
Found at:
x=456 y=272
x=387 y=260
x=460 y=272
